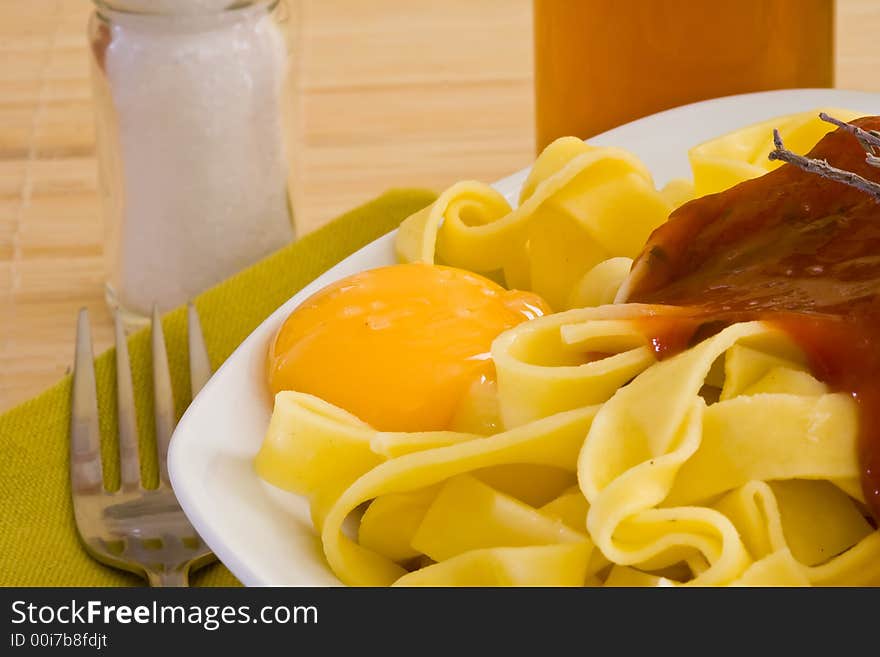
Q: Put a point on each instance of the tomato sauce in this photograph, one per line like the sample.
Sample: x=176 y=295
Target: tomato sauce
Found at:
x=791 y=248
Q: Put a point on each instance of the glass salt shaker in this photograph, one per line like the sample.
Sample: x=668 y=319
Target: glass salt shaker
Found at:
x=193 y=106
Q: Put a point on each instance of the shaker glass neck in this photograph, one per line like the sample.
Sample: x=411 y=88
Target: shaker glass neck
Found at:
x=177 y=7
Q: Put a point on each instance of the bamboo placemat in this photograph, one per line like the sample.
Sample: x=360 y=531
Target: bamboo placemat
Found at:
x=392 y=93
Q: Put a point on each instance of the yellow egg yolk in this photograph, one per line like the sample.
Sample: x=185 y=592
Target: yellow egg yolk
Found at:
x=397 y=346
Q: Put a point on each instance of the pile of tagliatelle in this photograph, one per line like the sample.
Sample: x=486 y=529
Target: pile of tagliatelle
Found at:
x=727 y=464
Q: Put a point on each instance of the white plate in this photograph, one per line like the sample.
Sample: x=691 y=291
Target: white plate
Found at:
x=264 y=535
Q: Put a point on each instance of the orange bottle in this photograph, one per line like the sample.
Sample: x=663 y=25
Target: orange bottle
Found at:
x=601 y=63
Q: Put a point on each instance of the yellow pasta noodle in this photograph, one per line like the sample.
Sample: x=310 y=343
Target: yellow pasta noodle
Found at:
x=650 y=464
x=390 y=522
x=600 y=284
x=550 y=565
x=581 y=205
x=587 y=461
x=470 y=515
x=541 y=373
x=730 y=159
x=726 y=490
x=655 y=449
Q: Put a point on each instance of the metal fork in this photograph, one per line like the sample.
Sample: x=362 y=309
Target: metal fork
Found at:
x=140 y=530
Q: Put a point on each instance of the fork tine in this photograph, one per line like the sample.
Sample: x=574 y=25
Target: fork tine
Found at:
x=129 y=462
x=86 y=473
x=199 y=363
x=163 y=396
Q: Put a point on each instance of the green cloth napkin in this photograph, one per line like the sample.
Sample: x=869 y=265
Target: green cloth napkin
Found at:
x=38 y=542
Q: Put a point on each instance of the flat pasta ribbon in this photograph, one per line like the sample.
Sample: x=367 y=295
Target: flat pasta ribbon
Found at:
x=553 y=443
x=728 y=160
x=755 y=486
x=727 y=464
x=581 y=205
x=657 y=455
x=568 y=360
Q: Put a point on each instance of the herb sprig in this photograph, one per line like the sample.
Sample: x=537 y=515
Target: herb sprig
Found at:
x=868 y=139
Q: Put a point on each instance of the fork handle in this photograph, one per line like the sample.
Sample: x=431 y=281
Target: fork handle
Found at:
x=177 y=577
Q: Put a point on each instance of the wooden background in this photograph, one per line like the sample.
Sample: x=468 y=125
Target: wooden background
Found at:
x=391 y=92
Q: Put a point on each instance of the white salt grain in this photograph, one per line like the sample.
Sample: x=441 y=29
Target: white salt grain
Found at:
x=202 y=170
